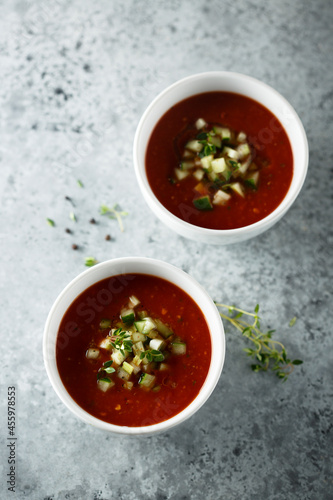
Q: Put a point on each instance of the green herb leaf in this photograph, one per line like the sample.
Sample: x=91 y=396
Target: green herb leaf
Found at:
x=79 y=183
x=90 y=261
x=269 y=354
x=50 y=222
x=293 y=321
x=73 y=217
x=114 y=213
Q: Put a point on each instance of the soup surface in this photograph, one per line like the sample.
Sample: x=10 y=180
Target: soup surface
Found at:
x=254 y=166
x=167 y=358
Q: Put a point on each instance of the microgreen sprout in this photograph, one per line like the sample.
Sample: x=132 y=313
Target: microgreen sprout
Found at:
x=114 y=213
x=267 y=353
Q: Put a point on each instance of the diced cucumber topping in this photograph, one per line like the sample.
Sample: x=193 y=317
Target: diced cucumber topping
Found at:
x=231 y=153
x=127 y=367
x=186 y=165
x=128 y=385
x=127 y=316
x=218 y=165
x=106 y=344
x=164 y=330
x=157 y=344
x=206 y=161
x=214 y=139
x=178 y=348
x=252 y=180
x=118 y=357
x=145 y=325
x=219 y=158
x=203 y=203
x=164 y=367
x=241 y=137
x=105 y=323
x=104 y=384
x=223 y=132
x=123 y=374
x=138 y=348
x=237 y=187
x=138 y=337
x=147 y=380
x=243 y=150
x=221 y=197
x=200 y=123
x=195 y=146
x=133 y=301
x=181 y=174
x=198 y=174
x=92 y=353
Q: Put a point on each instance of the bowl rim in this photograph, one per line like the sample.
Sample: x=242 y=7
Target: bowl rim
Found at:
x=140 y=170
x=93 y=274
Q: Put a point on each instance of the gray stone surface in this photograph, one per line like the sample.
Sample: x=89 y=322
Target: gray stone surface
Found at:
x=75 y=79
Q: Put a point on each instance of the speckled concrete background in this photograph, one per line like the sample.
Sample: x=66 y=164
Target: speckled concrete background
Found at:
x=76 y=77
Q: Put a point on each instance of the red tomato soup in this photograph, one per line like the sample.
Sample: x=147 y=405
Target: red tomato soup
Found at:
x=219 y=160
x=133 y=350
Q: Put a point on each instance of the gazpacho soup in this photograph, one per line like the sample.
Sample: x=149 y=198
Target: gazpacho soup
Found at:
x=219 y=160
x=133 y=350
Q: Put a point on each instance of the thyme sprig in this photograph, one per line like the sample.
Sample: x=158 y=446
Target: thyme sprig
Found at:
x=121 y=340
x=152 y=355
x=268 y=354
x=114 y=213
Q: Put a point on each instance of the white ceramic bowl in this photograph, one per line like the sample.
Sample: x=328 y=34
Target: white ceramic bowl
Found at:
x=229 y=82
x=144 y=266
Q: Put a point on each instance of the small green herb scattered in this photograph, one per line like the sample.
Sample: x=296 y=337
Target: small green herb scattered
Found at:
x=121 y=340
x=90 y=261
x=267 y=353
x=72 y=217
x=292 y=321
x=79 y=183
x=50 y=222
x=152 y=355
x=114 y=213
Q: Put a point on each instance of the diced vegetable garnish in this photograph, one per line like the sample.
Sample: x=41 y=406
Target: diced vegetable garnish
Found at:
x=178 y=348
x=127 y=316
x=138 y=337
x=236 y=186
x=118 y=357
x=181 y=174
x=133 y=301
x=105 y=323
x=105 y=384
x=145 y=325
x=128 y=385
x=123 y=374
x=147 y=380
x=203 y=203
x=221 y=197
x=164 y=330
x=195 y=146
x=106 y=344
x=139 y=346
x=157 y=344
x=127 y=367
x=200 y=123
x=92 y=353
x=221 y=160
